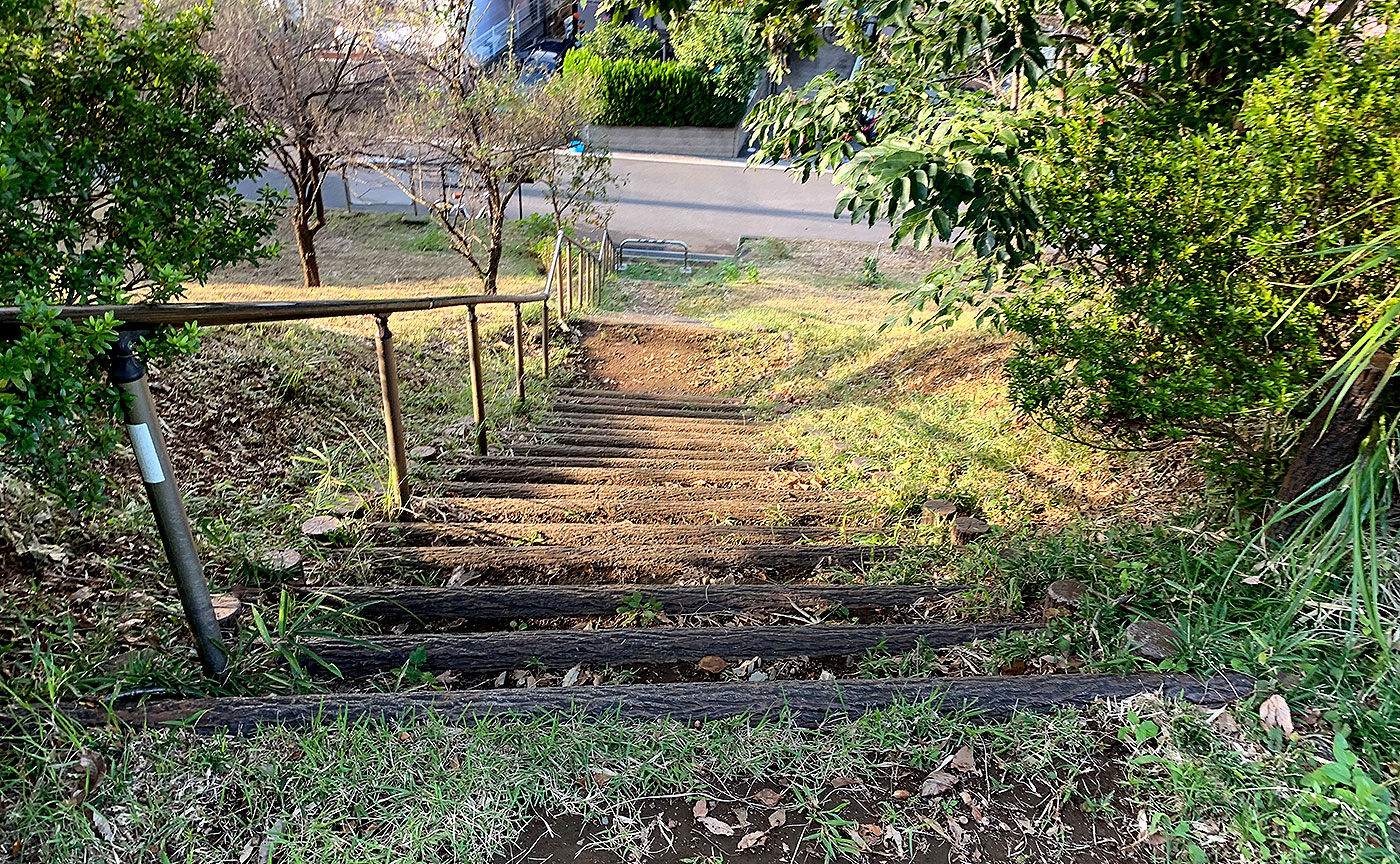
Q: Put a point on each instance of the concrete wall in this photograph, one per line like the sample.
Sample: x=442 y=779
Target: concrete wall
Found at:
x=715 y=141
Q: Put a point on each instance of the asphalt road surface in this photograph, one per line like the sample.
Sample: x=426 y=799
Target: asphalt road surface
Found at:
x=708 y=203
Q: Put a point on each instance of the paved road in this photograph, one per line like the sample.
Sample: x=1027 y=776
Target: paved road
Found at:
x=709 y=203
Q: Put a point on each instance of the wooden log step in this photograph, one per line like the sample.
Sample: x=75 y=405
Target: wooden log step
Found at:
x=637 y=438
x=641 y=493
x=620 y=476
x=488 y=653
x=700 y=425
x=646 y=412
x=608 y=404
x=807 y=704
x=637 y=396
x=583 y=534
x=642 y=562
x=478 y=603
x=700 y=511
x=586 y=457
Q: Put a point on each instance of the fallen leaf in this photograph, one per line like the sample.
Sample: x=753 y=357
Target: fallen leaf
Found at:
x=1274 y=713
x=937 y=783
x=963 y=760
x=768 y=797
x=714 y=826
x=104 y=828
x=713 y=664
x=741 y=816
x=571 y=677
x=777 y=819
x=701 y=808
x=752 y=839
x=841 y=782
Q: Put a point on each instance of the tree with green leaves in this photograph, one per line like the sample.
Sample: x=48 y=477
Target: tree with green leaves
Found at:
x=119 y=156
x=1134 y=190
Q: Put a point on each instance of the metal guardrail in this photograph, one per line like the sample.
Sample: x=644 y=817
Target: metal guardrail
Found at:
x=576 y=284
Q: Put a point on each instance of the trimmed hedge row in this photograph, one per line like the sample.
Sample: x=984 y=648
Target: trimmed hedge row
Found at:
x=651 y=92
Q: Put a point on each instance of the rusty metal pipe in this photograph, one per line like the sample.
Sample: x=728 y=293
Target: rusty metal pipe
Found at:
x=519 y=356
x=478 y=383
x=393 y=413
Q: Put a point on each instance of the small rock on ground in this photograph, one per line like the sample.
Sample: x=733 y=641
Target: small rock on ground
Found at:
x=320 y=527
x=1066 y=593
x=1151 y=640
x=937 y=511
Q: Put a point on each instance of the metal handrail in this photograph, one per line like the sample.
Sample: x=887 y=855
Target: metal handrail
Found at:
x=586 y=269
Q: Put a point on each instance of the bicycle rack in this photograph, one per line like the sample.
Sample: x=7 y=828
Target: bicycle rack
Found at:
x=647 y=241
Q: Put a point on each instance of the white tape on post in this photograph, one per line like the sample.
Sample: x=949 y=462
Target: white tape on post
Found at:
x=146 y=457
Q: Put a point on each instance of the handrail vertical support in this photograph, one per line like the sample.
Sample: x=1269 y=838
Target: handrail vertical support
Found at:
x=478 y=385
x=544 y=339
x=519 y=356
x=143 y=426
x=569 y=273
x=393 y=414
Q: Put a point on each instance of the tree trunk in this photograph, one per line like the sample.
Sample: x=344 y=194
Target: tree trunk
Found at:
x=1331 y=444
x=306 y=246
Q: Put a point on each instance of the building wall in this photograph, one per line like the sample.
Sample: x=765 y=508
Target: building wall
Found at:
x=719 y=142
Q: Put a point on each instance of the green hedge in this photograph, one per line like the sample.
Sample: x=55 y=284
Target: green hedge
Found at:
x=651 y=92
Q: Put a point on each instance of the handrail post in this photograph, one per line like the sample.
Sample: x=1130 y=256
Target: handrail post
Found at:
x=519 y=356
x=143 y=425
x=478 y=384
x=569 y=274
x=393 y=413
x=544 y=338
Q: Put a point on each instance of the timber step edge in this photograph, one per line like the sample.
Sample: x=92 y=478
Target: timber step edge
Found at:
x=616 y=451
x=642 y=407
x=502 y=651
x=807 y=704
x=691 y=511
x=580 y=534
x=467 y=489
x=645 y=561
x=476 y=603
x=672 y=461
x=638 y=396
x=620 y=476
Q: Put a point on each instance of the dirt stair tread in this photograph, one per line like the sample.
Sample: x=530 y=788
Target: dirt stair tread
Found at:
x=804 y=703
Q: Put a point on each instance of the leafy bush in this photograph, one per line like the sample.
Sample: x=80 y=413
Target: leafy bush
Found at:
x=720 y=44
x=651 y=92
x=121 y=157
x=621 y=41
x=1212 y=321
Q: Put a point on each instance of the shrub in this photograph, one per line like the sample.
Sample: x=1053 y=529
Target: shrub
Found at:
x=121 y=158
x=651 y=92
x=1212 y=324
x=613 y=41
x=720 y=45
